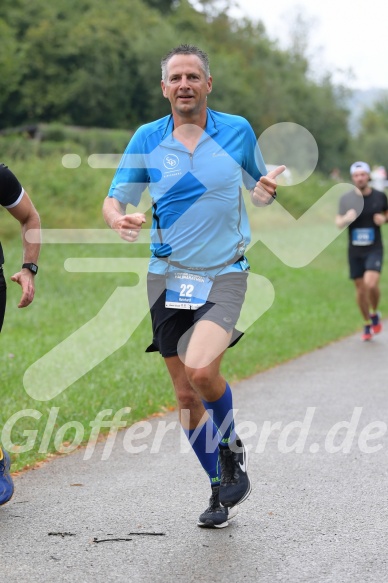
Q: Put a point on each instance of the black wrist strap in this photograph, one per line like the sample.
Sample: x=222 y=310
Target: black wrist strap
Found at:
x=274 y=195
x=31 y=266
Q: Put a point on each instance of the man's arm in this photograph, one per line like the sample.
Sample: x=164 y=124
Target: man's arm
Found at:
x=28 y=218
x=126 y=225
x=382 y=217
x=344 y=220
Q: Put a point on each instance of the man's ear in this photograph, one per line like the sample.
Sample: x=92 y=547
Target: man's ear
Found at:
x=163 y=86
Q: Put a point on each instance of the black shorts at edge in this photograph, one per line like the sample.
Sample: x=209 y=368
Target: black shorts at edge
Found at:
x=3 y=296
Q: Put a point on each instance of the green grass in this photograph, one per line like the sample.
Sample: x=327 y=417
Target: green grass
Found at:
x=313 y=306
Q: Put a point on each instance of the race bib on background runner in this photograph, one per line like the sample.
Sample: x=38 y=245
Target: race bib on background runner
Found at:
x=363 y=237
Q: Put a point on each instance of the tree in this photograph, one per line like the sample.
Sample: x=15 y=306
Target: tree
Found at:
x=372 y=139
x=162 y=5
x=93 y=63
x=11 y=61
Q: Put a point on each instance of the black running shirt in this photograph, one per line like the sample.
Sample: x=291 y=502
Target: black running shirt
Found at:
x=364 y=234
x=11 y=193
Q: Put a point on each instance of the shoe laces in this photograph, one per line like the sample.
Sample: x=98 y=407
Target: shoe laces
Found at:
x=214 y=501
x=229 y=468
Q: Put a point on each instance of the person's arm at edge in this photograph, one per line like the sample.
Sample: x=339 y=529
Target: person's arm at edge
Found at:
x=384 y=212
x=28 y=217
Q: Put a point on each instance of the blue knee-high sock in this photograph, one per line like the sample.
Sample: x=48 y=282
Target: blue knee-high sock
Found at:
x=204 y=441
x=221 y=411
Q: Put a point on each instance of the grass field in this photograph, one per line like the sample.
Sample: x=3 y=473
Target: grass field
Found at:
x=314 y=305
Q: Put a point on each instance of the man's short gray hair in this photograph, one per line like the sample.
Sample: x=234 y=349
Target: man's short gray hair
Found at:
x=186 y=50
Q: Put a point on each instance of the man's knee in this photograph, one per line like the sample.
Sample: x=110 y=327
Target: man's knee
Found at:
x=200 y=378
x=371 y=280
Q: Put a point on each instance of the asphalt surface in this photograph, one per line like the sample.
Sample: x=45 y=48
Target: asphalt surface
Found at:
x=317 y=514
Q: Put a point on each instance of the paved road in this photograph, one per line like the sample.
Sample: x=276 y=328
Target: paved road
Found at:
x=318 y=514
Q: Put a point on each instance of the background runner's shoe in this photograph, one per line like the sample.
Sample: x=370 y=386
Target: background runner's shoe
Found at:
x=6 y=483
x=376 y=322
x=216 y=516
x=368 y=333
x=235 y=485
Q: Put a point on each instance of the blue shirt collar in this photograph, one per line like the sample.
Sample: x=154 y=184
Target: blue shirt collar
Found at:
x=210 y=129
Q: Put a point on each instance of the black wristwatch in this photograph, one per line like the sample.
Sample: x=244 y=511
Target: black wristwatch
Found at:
x=31 y=266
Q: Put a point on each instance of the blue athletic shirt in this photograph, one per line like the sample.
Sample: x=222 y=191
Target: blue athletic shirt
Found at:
x=199 y=215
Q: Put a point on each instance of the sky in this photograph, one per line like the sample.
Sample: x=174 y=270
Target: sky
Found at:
x=343 y=35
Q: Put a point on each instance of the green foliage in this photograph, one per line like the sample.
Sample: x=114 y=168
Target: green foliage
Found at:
x=372 y=140
x=65 y=197
x=57 y=139
x=93 y=63
x=162 y=5
x=93 y=140
x=19 y=148
x=10 y=62
x=376 y=118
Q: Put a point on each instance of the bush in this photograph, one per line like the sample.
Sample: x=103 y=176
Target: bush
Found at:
x=47 y=139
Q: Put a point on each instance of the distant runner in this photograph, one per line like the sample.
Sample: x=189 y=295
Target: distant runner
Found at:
x=364 y=210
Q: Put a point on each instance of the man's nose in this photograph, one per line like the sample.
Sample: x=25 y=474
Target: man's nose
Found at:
x=184 y=81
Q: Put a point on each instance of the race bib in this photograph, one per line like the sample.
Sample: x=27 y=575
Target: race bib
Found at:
x=363 y=237
x=187 y=291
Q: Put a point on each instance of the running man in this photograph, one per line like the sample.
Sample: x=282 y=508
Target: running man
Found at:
x=363 y=210
x=195 y=162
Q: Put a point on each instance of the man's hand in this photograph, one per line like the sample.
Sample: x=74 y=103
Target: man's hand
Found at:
x=264 y=191
x=128 y=226
x=379 y=219
x=26 y=280
x=344 y=220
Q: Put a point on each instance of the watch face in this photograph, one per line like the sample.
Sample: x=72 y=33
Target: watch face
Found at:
x=31 y=266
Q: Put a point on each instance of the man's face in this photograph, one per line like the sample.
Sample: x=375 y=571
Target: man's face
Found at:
x=186 y=86
x=360 y=179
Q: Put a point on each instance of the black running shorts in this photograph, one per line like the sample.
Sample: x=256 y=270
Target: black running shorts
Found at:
x=223 y=307
x=373 y=261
